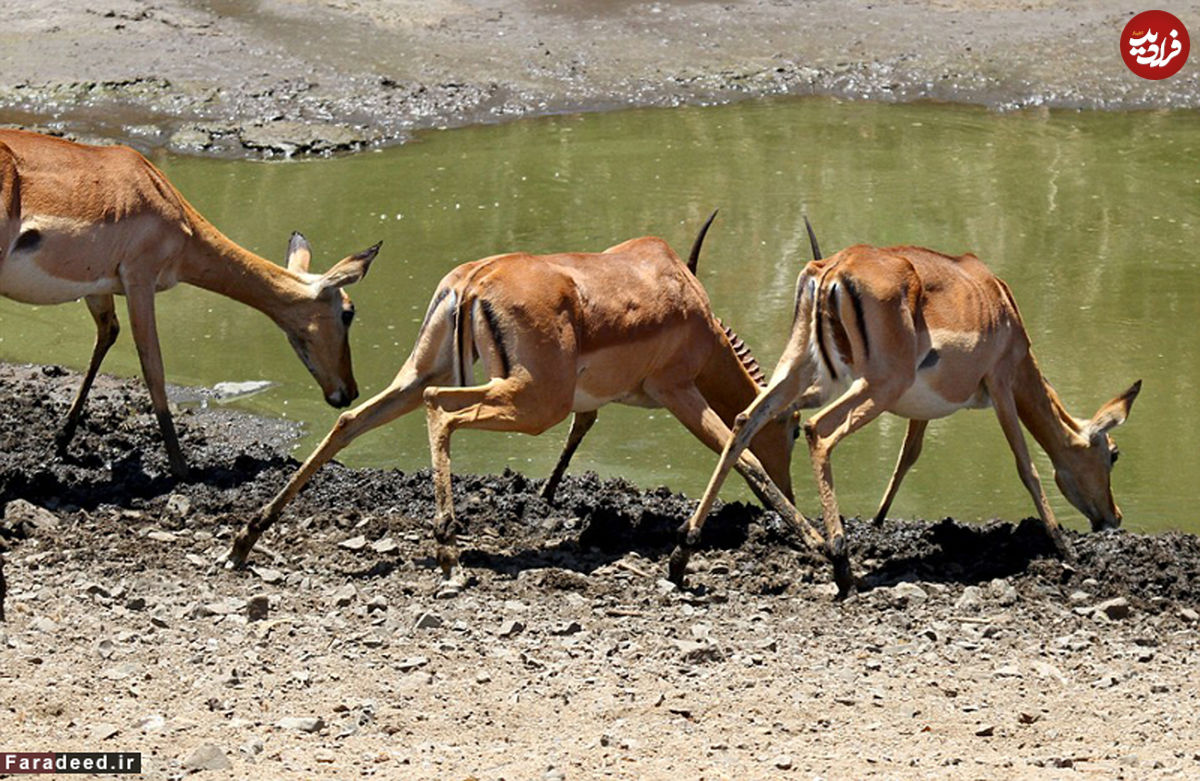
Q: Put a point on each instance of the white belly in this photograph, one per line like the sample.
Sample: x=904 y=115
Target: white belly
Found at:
x=22 y=279
x=921 y=402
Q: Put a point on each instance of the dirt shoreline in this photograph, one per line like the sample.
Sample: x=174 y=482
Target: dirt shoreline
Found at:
x=971 y=655
x=296 y=77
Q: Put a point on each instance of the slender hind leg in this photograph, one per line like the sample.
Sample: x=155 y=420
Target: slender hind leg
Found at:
x=688 y=405
x=909 y=452
x=104 y=312
x=516 y=403
x=139 y=296
x=581 y=423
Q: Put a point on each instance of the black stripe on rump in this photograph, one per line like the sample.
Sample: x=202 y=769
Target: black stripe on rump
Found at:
x=493 y=324
x=856 y=302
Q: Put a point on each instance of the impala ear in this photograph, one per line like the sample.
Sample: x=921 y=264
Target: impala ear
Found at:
x=348 y=270
x=1114 y=412
x=299 y=254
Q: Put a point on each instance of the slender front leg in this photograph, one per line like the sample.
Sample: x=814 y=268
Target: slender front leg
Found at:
x=105 y=314
x=581 y=423
x=399 y=398
x=857 y=407
x=1006 y=412
x=909 y=453
x=140 y=299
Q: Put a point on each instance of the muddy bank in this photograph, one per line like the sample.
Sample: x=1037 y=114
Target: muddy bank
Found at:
x=311 y=77
x=969 y=655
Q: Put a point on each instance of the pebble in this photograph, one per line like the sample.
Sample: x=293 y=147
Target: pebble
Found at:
x=267 y=575
x=971 y=599
x=302 y=723
x=511 y=628
x=1078 y=597
x=1116 y=609
x=783 y=762
x=19 y=512
x=1189 y=615
x=386 y=545
x=178 y=506
x=1004 y=592
x=566 y=628
x=908 y=593
x=428 y=621
x=377 y=603
x=355 y=543
x=985 y=730
x=207 y=757
x=345 y=595
x=257 y=607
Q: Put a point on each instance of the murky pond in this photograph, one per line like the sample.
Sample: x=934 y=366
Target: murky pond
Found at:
x=1090 y=217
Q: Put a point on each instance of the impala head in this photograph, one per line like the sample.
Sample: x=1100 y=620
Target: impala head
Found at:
x=1085 y=477
x=319 y=327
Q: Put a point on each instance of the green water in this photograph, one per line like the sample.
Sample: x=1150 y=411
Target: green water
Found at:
x=1090 y=217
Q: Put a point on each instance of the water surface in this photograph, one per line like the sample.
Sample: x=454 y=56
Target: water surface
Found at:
x=1088 y=216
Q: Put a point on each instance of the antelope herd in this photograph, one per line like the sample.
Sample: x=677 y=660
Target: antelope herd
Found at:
x=904 y=330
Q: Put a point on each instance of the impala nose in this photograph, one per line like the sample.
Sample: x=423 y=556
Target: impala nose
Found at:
x=339 y=398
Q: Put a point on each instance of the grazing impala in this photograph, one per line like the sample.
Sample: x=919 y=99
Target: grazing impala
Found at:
x=563 y=333
x=90 y=222
x=919 y=334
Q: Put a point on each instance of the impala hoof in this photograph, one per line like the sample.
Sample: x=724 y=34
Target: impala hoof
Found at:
x=677 y=567
x=843 y=577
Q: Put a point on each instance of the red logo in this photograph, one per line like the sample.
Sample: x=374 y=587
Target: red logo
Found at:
x=1155 y=45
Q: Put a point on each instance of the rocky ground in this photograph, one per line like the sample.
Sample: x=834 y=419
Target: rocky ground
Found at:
x=968 y=654
x=288 y=77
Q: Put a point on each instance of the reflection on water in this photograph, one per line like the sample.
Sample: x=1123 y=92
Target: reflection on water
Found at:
x=1087 y=216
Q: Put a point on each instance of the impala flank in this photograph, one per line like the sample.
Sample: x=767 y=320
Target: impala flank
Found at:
x=91 y=222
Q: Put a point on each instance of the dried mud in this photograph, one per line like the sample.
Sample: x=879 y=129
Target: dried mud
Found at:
x=969 y=653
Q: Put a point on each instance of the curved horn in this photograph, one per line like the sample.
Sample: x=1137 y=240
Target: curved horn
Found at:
x=812 y=239
x=694 y=255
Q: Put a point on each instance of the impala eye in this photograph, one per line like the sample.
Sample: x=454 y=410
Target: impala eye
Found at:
x=347 y=316
x=1115 y=453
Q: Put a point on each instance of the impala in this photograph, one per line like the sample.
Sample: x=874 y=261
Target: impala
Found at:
x=563 y=333
x=93 y=222
x=919 y=334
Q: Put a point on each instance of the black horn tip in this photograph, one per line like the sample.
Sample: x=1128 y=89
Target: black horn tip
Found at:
x=694 y=255
x=812 y=239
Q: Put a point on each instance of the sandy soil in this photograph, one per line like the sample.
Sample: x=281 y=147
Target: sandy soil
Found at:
x=968 y=654
x=282 y=77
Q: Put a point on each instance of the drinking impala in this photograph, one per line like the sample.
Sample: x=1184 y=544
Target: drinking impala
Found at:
x=90 y=222
x=919 y=334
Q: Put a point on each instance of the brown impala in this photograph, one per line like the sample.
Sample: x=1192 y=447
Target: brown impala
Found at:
x=921 y=335
x=560 y=334
x=91 y=222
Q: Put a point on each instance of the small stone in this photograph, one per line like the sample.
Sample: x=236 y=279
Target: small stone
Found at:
x=511 y=628
x=386 y=545
x=151 y=723
x=1116 y=609
x=1078 y=597
x=566 y=628
x=345 y=595
x=135 y=603
x=1008 y=671
x=1105 y=682
x=377 y=603
x=207 y=757
x=268 y=575
x=483 y=677
x=162 y=536
x=908 y=593
x=985 y=730
x=428 y=621
x=664 y=586
x=554 y=774
x=356 y=543
x=20 y=513
x=105 y=731
x=1189 y=615
x=1004 y=592
x=179 y=506
x=783 y=762
x=412 y=663
x=302 y=723
x=257 y=607
x=971 y=599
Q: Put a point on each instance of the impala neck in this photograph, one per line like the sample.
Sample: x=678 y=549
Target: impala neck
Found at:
x=216 y=263
x=1043 y=412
